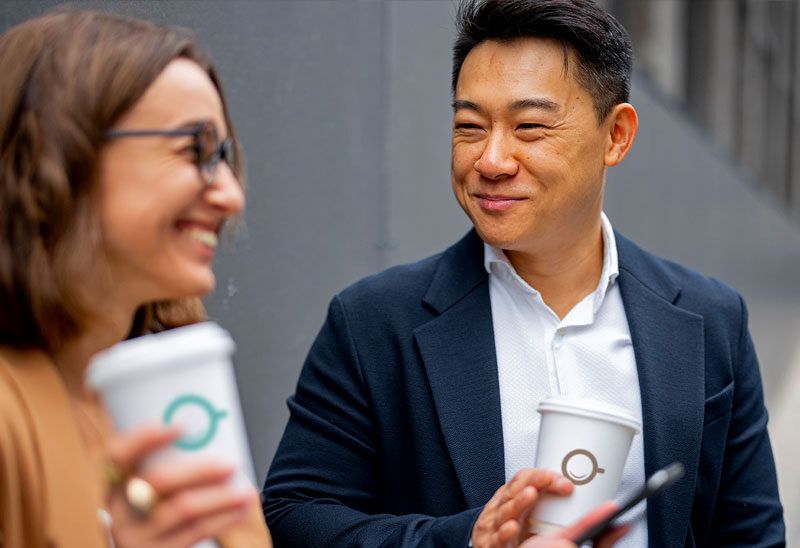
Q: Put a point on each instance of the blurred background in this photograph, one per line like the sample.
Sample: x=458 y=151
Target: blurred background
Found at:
x=344 y=111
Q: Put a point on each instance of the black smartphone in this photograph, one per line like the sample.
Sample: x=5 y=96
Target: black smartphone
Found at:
x=655 y=484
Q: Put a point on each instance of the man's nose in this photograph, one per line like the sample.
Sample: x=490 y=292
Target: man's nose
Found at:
x=497 y=160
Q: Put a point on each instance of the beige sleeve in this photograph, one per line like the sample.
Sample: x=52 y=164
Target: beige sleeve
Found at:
x=21 y=493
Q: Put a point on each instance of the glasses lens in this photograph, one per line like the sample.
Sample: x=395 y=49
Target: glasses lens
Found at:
x=207 y=152
x=227 y=152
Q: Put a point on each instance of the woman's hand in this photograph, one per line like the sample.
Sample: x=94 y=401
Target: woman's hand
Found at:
x=564 y=537
x=195 y=499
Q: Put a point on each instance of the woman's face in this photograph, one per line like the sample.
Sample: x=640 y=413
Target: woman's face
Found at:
x=160 y=219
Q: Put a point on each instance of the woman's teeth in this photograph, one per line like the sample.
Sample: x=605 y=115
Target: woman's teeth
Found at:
x=205 y=237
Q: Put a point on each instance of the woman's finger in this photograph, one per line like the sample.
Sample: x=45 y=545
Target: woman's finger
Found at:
x=125 y=527
x=588 y=521
x=175 y=514
x=199 y=504
x=169 y=477
x=210 y=527
x=128 y=449
x=608 y=540
x=547 y=542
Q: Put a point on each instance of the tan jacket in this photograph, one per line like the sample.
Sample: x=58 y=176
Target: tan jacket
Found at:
x=50 y=484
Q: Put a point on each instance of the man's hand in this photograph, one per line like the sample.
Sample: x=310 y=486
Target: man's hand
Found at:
x=564 y=538
x=503 y=521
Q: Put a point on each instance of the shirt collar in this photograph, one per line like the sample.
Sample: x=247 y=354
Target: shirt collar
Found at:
x=497 y=263
x=610 y=262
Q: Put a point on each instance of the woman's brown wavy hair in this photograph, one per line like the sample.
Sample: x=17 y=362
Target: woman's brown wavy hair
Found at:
x=66 y=78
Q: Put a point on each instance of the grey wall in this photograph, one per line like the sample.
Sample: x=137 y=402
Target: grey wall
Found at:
x=343 y=108
x=307 y=87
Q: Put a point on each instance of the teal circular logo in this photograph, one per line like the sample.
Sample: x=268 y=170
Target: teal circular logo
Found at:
x=198 y=441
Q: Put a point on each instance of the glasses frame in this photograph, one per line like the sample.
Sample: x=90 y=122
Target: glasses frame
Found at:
x=207 y=166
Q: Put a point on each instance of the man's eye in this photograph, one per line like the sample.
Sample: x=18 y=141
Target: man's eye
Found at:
x=467 y=126
x=530 y=125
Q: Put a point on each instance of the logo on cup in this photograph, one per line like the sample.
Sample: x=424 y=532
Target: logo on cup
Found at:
x=580 y=466
x=186 y=402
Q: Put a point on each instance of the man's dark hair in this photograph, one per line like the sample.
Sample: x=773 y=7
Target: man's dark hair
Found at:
x=601 y=45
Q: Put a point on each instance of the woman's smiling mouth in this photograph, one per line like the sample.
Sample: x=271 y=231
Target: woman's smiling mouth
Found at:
x=204 y=233
x=204 y=236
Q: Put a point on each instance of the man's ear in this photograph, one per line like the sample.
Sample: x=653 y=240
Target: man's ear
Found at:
x=622 y=124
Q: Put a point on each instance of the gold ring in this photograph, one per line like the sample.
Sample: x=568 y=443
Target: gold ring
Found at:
x=141 y=496
x=114 y=475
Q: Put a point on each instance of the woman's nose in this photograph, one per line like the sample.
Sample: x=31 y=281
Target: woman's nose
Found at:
x=226 y=193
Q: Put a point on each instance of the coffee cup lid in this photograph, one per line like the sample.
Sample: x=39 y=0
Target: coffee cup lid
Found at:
x=178 y=347
x=591 y=409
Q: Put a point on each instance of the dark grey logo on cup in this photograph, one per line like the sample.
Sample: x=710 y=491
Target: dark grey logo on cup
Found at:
x=580 y=466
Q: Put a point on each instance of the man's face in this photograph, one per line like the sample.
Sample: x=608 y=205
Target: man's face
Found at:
x=528 y=161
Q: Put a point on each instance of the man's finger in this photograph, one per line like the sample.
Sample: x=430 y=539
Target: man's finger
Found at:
x=514 y=508
x=496 y=498
x=506 y=535
x=484 y=526
x=542 y=480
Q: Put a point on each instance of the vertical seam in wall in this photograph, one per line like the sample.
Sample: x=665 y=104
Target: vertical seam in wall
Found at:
x=790 y=115
x=384 y=236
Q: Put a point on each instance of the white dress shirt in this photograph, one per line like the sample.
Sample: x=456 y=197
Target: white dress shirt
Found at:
x=587 y=354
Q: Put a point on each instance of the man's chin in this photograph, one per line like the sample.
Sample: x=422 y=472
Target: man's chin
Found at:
x=497 y=240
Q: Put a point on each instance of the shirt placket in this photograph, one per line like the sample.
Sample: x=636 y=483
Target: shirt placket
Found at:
x=551 y=342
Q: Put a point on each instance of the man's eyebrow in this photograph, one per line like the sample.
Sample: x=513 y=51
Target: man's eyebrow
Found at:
x=462 y=104
x=522 y=104
x=535 y=103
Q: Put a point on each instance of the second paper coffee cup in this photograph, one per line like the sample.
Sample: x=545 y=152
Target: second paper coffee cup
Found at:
x=587 y=442
x=180 y=377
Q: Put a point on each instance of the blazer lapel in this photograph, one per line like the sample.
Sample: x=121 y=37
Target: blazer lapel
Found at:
x=668 y=344
x=458 y=351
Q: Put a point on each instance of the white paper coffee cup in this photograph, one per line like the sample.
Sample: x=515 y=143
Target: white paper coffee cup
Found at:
x=588 y=443
x=181 y=377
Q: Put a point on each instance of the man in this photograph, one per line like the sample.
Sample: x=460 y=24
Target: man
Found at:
x=414 y=421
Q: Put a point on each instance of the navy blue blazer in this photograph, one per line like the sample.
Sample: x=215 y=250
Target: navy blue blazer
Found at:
x=395 y=435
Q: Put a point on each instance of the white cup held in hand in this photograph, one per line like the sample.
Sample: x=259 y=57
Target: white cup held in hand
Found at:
x=587 y=442
x=180 y=377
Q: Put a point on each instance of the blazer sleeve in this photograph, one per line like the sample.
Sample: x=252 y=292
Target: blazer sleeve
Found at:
x=748 y=511
x=322 y=487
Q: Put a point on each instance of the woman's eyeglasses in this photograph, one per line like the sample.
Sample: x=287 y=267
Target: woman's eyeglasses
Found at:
x=208 y=150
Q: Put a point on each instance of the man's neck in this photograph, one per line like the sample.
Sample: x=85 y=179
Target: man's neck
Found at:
x=564 y=274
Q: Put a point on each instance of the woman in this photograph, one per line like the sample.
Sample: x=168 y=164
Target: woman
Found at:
x=117 y=173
